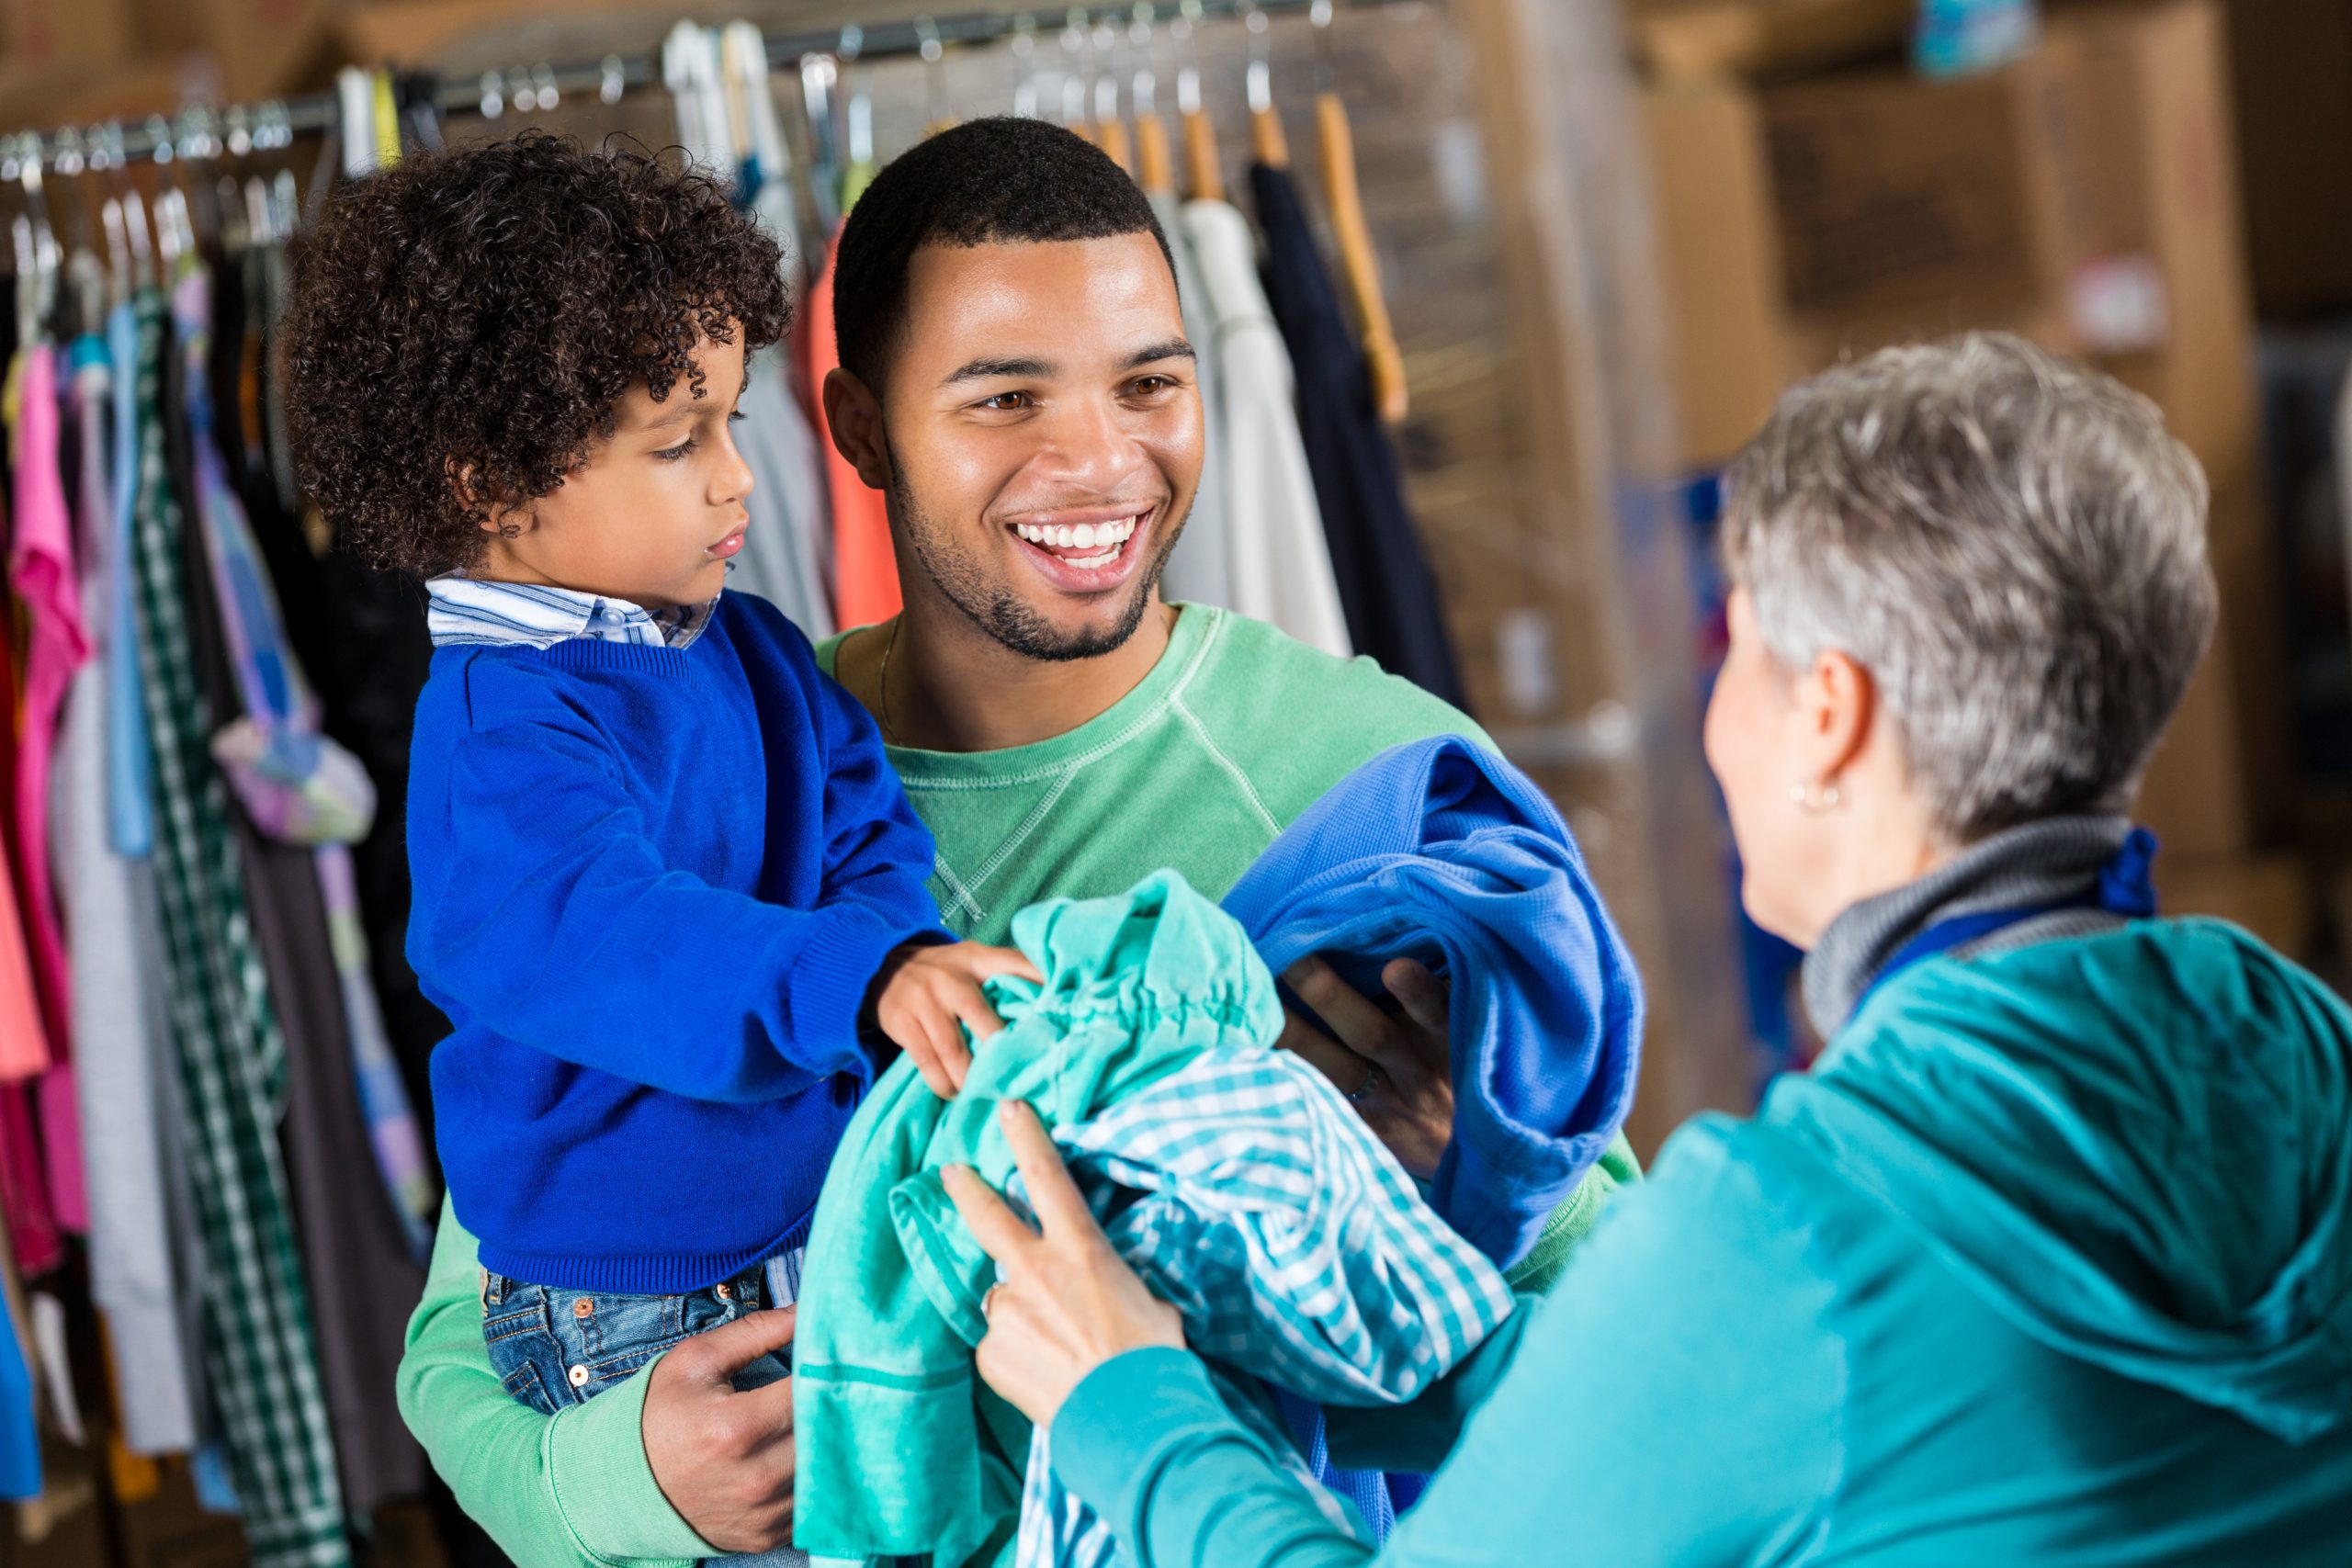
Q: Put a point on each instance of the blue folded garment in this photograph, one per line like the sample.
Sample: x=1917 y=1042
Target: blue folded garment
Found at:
x=1440 y=850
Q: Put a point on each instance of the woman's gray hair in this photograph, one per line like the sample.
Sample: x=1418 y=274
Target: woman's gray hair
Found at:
x=2011 y=543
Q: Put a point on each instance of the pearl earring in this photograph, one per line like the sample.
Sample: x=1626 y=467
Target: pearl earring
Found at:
x=1817 y=799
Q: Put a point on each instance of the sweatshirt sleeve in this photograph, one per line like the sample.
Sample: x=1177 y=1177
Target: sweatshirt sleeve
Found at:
x=1679 y=1395
x=569 y=1491
x=550 y=918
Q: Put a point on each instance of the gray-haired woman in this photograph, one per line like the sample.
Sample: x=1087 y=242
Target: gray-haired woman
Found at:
x=2050 y=1259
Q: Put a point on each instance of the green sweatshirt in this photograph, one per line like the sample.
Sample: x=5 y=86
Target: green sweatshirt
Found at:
x=1236 y=731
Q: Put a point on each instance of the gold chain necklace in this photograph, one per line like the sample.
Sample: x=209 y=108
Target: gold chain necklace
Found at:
x=882 y=680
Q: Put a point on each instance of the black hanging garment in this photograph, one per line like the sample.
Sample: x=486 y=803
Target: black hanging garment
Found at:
x=1385 y=589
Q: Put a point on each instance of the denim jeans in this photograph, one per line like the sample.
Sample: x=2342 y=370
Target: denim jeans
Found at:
x=554 y=1348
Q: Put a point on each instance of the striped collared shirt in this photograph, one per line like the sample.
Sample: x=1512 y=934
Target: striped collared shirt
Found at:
x=468 y=612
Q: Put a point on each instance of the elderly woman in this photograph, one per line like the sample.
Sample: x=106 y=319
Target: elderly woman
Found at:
x=2049 y=1261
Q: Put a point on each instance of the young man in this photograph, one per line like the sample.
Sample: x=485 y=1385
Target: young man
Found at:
x=1015 y=379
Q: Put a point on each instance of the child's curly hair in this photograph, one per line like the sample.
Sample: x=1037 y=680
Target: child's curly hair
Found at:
x=464 y=322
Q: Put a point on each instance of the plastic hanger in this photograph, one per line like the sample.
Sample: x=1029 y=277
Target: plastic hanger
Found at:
x=819 y=75
x=1155 y=164
x=1335 y=143
x=1204 y=169
x=1110 y=130
x=1078 y=70
x=1267 y=142
x=354 y=92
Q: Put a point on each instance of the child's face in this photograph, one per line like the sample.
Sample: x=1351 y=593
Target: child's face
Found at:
x=654 y=515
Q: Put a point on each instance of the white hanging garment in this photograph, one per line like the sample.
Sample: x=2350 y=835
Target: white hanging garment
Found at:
x=1201 y=570
x=1278 y=561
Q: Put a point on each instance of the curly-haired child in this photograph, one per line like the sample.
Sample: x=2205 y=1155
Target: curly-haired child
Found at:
x=667 y=887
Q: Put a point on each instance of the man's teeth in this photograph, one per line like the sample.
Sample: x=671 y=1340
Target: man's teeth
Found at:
x=1082 y=536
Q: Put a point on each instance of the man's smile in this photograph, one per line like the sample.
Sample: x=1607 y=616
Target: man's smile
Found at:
x=1087 y=551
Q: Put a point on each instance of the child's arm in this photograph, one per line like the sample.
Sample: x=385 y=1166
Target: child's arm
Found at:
x=544 y=911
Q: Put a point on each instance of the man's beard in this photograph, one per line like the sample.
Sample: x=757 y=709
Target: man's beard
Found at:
x=997 y=610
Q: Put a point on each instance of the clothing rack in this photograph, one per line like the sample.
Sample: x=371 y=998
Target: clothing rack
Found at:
x=204 y=129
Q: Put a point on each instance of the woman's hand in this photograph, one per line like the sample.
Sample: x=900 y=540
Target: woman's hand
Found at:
x=1065 y=1302
x=1396 y=1072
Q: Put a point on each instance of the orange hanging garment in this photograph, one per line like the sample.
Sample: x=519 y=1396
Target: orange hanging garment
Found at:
x=865 y=573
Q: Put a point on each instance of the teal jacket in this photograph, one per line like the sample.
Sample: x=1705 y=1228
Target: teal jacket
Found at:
x=2049 y=1261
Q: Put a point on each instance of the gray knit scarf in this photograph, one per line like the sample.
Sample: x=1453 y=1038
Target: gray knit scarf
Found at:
x=2037 y=864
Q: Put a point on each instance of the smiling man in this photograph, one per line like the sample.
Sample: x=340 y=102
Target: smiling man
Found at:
x=1015 y=379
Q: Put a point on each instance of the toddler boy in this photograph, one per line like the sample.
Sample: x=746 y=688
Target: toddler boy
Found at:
x=667 y=888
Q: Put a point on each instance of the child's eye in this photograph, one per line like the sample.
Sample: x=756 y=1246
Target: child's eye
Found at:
x=677 y=453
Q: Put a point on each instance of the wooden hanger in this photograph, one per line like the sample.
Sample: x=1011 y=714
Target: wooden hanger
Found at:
x=1267 y=142
x=1341 y=194
x=1155 y=162
x=1201 y=159
x=1111 y=135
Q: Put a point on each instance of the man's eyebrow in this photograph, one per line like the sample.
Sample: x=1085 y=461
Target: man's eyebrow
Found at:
x=1174 y=348
x=988 y=369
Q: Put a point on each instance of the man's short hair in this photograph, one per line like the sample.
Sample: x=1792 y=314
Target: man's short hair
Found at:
x=986 y=182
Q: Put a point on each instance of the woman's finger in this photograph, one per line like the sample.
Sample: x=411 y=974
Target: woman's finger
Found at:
x=1060 y=1208
x=1003 y=1234
x=1358 y=1021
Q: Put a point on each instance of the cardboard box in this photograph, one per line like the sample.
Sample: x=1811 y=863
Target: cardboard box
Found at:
x=38 y=35
x=258 y=49
x=1686 y=40
x=2292 y=71
x=2271 y=896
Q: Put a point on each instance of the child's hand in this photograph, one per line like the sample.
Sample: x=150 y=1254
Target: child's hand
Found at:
x=923 y=992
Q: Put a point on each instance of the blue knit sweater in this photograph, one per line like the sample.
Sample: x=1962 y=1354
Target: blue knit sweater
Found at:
x=653 y=886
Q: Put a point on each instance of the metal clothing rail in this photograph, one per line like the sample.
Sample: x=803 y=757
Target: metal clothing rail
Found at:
x=244 y=128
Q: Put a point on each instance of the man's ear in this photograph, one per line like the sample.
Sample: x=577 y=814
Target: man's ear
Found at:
x=854 y=416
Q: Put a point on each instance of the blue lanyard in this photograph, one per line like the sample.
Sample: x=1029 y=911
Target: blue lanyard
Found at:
x=2124 y=889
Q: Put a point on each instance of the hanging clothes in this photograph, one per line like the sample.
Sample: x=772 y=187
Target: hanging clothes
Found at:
x=136 y=1278
x=1395 y=612
x=231 y=1058
x=865 y=572
x=791 y=524
x=1281 y=566
x=1200 y=571
x=130 y=765
x=362 y=1240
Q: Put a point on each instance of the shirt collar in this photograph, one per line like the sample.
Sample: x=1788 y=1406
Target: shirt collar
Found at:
x=469 y=613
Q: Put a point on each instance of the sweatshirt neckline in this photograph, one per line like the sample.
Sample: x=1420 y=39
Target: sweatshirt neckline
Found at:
x=1189 y=641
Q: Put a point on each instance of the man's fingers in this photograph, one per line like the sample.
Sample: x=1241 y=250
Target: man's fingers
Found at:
x=1059 y=1206
x=1326 y=1055
x=1427 y=1001
x=1362 y=1027
x=1003 y=1234
x=718 y=1355
x=769 y=1409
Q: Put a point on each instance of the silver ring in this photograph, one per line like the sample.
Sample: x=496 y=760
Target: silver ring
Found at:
x=988 y=1299
x=1371 y=1082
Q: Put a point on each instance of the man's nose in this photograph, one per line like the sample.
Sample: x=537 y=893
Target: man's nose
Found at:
x=1087 y=444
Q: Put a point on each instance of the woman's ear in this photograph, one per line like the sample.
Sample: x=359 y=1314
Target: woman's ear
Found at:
x=1838 y=704
x=854 y=416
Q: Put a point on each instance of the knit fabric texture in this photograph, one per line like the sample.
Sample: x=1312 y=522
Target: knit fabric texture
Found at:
x=653 y=886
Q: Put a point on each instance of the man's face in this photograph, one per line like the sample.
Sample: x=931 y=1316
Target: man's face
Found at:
x=1044 y=428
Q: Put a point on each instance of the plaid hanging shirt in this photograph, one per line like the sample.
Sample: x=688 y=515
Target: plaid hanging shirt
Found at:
x=258 y=1343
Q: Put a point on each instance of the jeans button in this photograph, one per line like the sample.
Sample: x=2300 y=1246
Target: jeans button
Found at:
x=584 y=1307
x=579 y=1376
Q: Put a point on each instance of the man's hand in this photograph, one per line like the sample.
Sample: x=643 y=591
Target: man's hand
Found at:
x=724 y=1457
x=1396 y=1070
x=924 y=993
